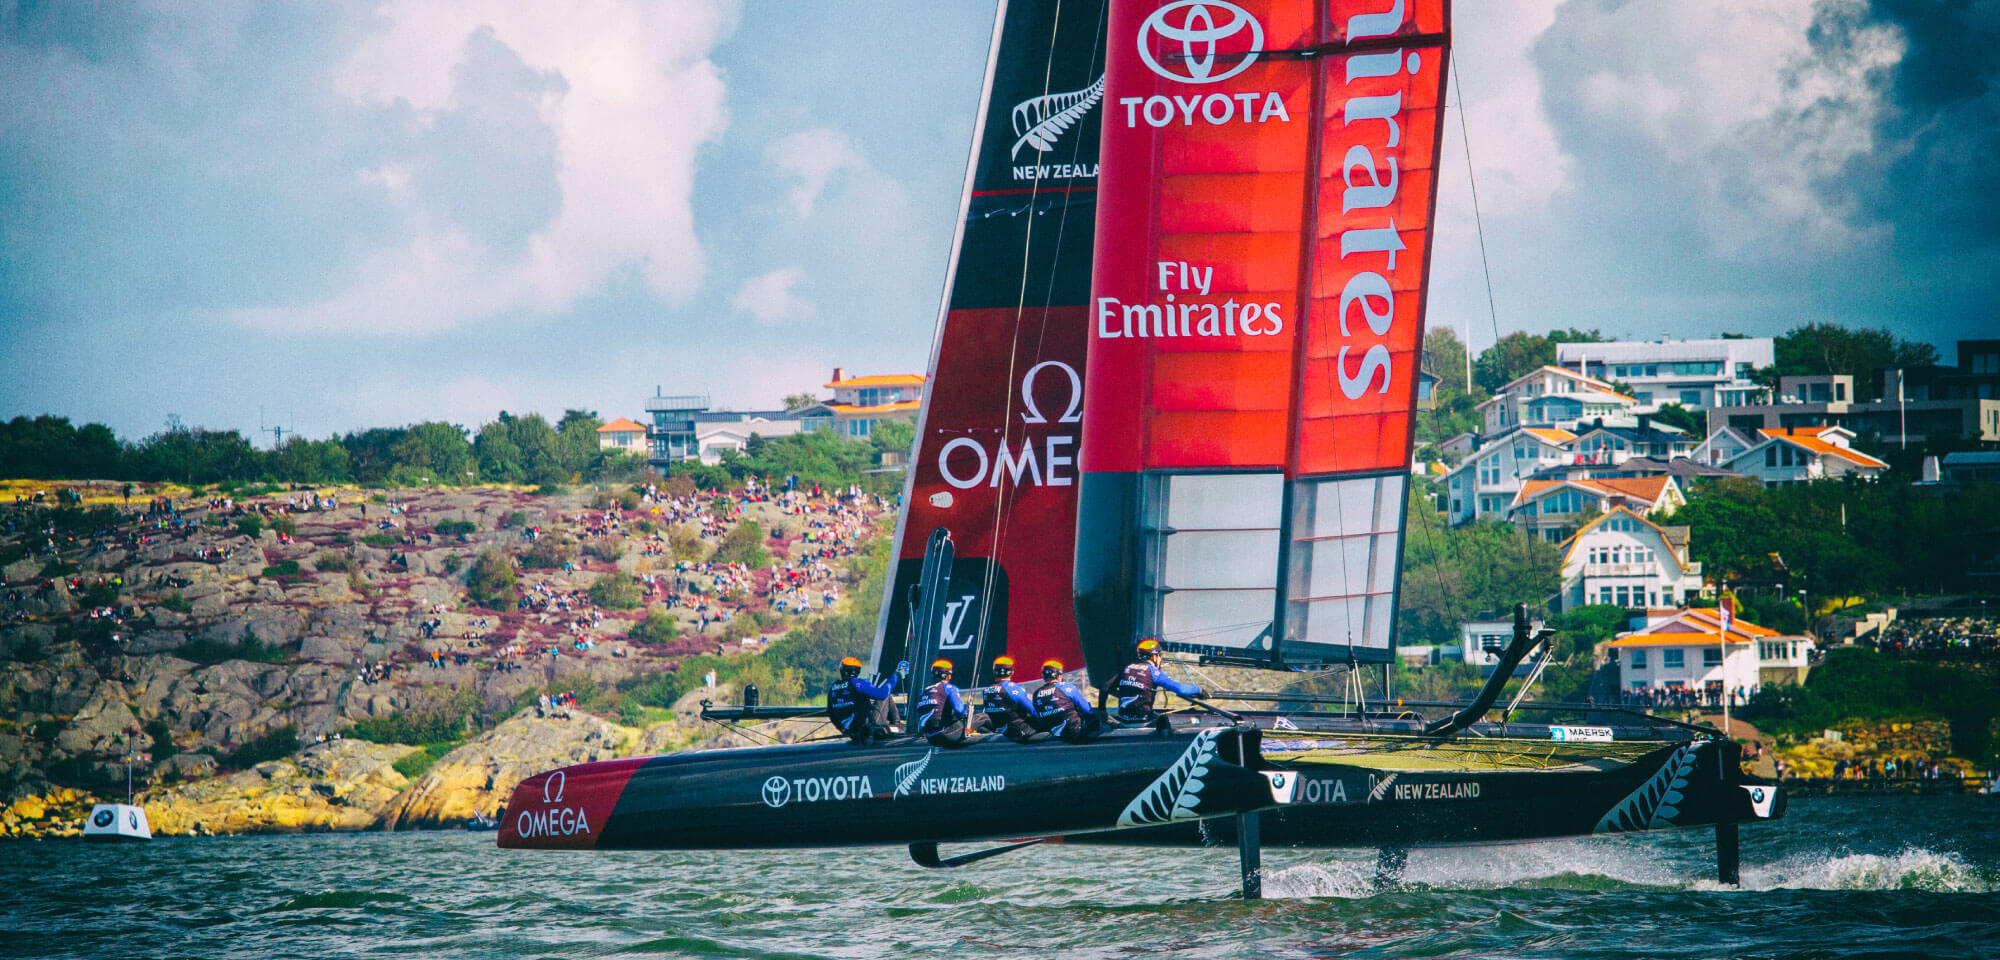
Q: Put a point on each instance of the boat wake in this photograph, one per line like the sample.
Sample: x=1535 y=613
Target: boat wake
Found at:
x=1586 y=866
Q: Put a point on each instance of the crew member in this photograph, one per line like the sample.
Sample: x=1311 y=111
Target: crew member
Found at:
x=863 y=710
x=1006 y=704
x=1060 y=708
x=1140 y=683
x=941 y=714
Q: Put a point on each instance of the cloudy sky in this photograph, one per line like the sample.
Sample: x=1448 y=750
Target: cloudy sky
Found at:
x=374 y=214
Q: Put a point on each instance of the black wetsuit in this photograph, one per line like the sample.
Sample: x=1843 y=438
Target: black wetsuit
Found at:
x=863 y=711
x=1062 y=710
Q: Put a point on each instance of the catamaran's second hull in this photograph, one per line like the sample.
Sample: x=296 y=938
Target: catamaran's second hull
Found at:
x=1397 y=796
x=837 y=794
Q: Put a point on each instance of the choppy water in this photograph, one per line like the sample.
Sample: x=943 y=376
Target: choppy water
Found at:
x=1838 y=879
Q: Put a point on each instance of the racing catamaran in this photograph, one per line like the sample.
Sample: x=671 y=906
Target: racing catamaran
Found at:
x=1171 y=395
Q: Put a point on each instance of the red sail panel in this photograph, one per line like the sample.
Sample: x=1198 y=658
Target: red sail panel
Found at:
x=1256 y=318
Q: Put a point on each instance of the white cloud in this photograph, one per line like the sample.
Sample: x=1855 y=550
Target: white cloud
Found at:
x=637 y=97
x=772 y=297
x=809 y=159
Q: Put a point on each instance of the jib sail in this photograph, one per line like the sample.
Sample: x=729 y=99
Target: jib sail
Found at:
x=1255 y=325
x=996 y=452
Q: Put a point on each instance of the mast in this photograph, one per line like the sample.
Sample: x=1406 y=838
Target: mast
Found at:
x=997 y=441
x=1256 y=325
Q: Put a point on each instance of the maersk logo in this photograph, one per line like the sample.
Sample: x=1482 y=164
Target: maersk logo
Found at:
x=1040 y=122
x=1197 y=36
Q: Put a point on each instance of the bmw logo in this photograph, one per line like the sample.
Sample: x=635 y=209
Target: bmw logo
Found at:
x=103 y=818
x=777 y=792
x=133 y=819
x=1278 y=781
x=1757 y=795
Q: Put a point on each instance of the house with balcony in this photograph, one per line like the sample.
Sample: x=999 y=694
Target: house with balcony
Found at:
x=1688 y=650
x=1552 y=397
x=1622 y=558
x=1488 y=479
x=1916 y=405
x=622 y=435
x=1697 y=374
x=1722 y=446
x=860 y=403
x=1805 y=454
x=1556 y=509
x=1599 y=442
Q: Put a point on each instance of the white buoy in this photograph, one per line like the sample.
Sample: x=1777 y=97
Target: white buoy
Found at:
x=117 y=821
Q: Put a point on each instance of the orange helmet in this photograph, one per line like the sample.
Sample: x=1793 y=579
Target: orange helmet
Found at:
x=1003 y=660
x=851 y=662
x=1051 y=669
x=940 y=664
x=1149 y=646
x=1003 y=667
x=850 y=668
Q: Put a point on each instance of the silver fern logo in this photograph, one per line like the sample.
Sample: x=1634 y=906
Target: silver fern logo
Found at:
x=1175 y=794
x=909 y=773
x=1040 y=121
x=1658 y=801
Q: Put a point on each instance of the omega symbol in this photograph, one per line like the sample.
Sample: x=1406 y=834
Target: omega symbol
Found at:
x=552 y=788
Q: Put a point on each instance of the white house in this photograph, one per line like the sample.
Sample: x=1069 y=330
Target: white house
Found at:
x=1475 y=636
x=1556 y=509
x=1607 y=444
x=1723 y=445
x=1489 y=478
x=713 y=439
x=1552 y=397
x=1693 y=373
x=859 y=403
x=1804 y=454
x=1625 y=559
x=622 y=434
x=1685 y=651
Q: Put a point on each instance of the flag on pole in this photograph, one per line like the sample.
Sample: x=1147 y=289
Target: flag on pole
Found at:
x=1728 y=608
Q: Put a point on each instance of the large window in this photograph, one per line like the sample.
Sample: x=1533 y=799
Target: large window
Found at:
x=1672 y=659
x=1711 y=657
x=1638 y=659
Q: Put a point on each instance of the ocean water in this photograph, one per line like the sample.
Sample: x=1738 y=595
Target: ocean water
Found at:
x=1839 y=878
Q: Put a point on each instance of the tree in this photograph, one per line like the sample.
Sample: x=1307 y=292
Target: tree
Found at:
x=894 y=436
x=1514 y=355
x=1818 y=349
x=498 y=455
x=799 y=401
x=615 y=591
x=1444 y=357
x=1575 y=335
x=1452 y=574
x=435 y=450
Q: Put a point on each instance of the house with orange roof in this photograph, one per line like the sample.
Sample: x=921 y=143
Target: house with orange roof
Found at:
x=1689 y=650
x=1785 y=455
x=1556 y=509
x=860 y=403
x=1621 y=558
x=1486 y=482
x=1553 y=397
x=622 y=434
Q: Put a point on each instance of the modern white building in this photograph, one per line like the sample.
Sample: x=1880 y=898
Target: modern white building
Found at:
x=715 y=438
x=1696 y=374
x=1622 y=558
x=1475 y=637
x=1805 y=454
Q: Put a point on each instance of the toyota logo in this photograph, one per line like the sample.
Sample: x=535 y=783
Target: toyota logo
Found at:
x=552 y=788
x=1188 y=33
x=777 y=792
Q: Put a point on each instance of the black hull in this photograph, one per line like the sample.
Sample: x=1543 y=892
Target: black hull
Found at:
x=838 y=794
x=1677 y=785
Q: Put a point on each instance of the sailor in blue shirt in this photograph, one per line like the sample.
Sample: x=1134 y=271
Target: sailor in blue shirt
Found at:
x=1006 y=704
x=1140 y=683
x=942 y=717
x=863 y=710
x=1061 y=709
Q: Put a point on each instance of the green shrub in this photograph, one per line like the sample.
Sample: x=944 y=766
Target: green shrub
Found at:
x=103 y=593
x=163 y=739
x=548 y=553
x=490 y=583
x=514 y=520
x=57 y=568
x=330 y=562
x=286 y=526
x=744 y=543
x=615 y=591
x=414 y=763
x=250 y=647
x=608 y=549
x=454 y=563
x=272 y=745
x=176 y=602
x=658 y=627
x=382 y=538
x=283 y=568
x=551 y=490
x=251 y=527
x=442 y=721
x=340 y=536
x=455 y=528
